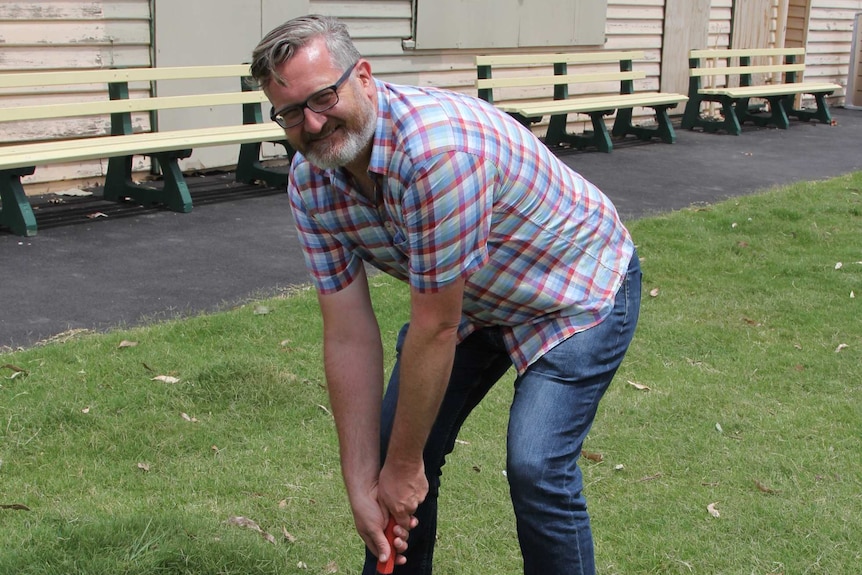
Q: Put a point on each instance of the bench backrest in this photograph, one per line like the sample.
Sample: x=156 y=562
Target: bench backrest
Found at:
x=723 y=63
x=531 y=70
x=121 y=105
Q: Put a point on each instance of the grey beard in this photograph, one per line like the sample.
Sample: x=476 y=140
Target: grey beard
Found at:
x=353 y=145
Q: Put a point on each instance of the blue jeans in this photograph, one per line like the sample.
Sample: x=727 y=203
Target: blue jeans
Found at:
x=554 y=405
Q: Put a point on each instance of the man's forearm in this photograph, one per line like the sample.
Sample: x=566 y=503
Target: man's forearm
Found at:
x=354 y=377
x=426 y=364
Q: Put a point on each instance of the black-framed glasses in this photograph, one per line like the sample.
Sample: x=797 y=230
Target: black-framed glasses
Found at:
x=318 y=102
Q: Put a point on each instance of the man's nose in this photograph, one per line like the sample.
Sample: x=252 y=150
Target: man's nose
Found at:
x=313 y=121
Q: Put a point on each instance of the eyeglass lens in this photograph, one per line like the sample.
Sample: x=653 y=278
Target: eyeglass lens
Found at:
x=319 y=102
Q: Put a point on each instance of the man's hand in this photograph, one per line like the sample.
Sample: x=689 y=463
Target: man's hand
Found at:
x=401 y=489
x=371 y=521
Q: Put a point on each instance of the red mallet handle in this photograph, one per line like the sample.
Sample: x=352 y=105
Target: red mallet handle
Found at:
x=389 y=566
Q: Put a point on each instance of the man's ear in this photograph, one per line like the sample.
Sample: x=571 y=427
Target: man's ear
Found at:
x=363 y=72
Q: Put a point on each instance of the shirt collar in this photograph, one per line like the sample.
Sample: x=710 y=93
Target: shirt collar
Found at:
x=383 y=147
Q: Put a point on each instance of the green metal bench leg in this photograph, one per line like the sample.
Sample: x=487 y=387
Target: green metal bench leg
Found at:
x=691 y=114
x=778 y=114
x=174 y=193
x=556 y=133
x=249 y=168
x=15 y=210
x=731 y=121
x=692 y=119
x=623 y=123
x=821 y=114
x=664 y=129
x=600 y=137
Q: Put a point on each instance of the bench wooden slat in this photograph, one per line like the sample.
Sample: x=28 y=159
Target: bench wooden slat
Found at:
x=757 y=69
x=524 y=81
x=99 y=107
x=745 y=52
x=592 y=104
x=570 y=58
x=105 y=76
x=42 y=153
x=771 y=90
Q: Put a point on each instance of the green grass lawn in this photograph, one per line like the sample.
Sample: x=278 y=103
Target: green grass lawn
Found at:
x=738 y=451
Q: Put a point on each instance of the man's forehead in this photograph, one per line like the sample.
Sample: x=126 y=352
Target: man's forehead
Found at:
x=313 y=53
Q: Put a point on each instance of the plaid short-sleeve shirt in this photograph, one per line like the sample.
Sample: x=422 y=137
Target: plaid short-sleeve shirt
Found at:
x=467 y=191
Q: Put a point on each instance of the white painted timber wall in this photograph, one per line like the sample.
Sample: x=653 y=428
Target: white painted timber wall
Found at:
x=830 y=37
x=68 y=34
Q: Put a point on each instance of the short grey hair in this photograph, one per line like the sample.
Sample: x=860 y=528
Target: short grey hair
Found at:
x=282 y=43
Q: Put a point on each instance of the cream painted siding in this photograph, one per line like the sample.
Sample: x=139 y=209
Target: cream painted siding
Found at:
x=379 y=26
x=720 y=16
x=830 y=35
x=59 y=35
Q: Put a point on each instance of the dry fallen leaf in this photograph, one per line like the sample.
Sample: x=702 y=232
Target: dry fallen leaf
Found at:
x=95 y=215
x=127 y=343
x=653 y=292
x=840 y=347
x=187 y=418
x=638 y=386
x=16 y=371
x=166 y=379
x=712 y=509
x=597 y=457
x=287 y=536
x=764 y=488
x=839 y=265
x=301 y=565
x=250 y=524
x=15 y=507
x=331 y=567
x=144 y=467
x=650 y=477
x=86 y=409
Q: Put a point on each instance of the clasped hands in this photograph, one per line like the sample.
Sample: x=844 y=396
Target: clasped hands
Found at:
x=398 y=492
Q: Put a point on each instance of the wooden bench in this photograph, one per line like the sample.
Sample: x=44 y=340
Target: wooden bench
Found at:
x=779 y=85
x=599 y=94
x=124 y=140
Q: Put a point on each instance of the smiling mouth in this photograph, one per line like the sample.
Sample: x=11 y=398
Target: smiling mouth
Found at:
x=323 y=135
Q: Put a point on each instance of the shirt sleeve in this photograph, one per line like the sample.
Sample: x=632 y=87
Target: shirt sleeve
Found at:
x=447 y=215
x=331 y=265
